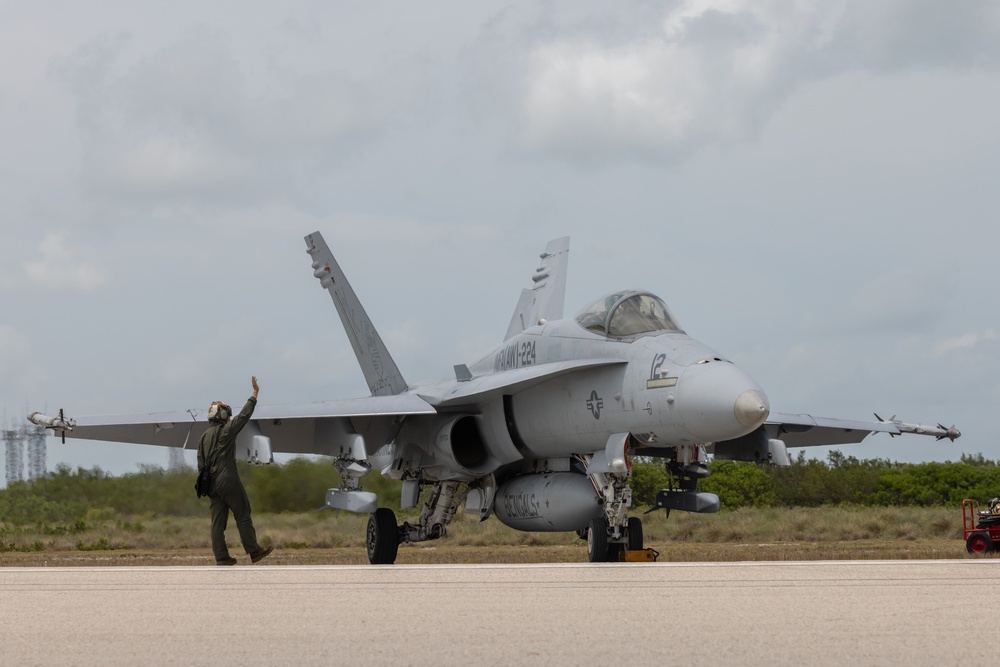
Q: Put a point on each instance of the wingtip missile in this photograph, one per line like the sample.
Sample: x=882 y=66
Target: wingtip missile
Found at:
x=58 y=424
x=950 y=433
x=940 y=432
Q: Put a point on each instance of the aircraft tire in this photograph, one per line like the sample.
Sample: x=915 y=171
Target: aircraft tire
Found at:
x=597 y=540
x=382 y=537
x=635 y=534
x=979 y=543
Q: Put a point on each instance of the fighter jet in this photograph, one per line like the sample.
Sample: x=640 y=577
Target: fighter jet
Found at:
x=539 y=431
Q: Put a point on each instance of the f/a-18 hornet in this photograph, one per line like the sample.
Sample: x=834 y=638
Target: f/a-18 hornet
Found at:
x=539 y=431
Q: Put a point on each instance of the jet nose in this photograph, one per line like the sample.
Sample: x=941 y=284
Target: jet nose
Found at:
x=751 y=408
x=718 y=401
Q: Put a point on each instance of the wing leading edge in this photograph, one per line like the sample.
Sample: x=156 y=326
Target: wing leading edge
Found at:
x=294 y=429
x=801 y=430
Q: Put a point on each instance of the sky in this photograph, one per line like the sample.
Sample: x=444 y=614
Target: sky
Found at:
x=810 y=186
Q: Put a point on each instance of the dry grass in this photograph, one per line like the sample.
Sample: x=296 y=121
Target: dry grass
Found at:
x=332 y=538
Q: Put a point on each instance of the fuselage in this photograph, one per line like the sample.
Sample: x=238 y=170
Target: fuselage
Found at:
x=662 y=387
x=668 y=389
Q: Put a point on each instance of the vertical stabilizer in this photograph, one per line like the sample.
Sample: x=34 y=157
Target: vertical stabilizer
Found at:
x=381 y=373
x=545 y=300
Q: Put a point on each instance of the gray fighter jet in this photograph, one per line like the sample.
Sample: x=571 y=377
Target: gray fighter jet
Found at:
x=539 y=431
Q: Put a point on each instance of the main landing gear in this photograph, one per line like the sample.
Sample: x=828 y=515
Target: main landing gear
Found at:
x=384 y=535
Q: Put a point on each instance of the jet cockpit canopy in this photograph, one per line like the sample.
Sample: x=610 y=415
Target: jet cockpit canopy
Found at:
x=627 y=313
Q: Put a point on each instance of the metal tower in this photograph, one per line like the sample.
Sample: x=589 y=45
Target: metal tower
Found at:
x=14 y=439
x=35 y=436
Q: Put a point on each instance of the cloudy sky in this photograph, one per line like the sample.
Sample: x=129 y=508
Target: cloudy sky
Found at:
x=811 y=186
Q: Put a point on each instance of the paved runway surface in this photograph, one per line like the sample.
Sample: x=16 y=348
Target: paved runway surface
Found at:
x=812 y=613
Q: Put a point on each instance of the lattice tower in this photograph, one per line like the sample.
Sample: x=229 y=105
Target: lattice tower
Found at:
x=36 y=438
x=14 y=441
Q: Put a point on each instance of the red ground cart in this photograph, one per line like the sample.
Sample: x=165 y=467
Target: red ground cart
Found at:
x=981 y=529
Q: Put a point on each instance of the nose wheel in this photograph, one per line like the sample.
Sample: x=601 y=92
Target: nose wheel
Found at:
x=601 y=548
x=635 y=534
x=597 y=540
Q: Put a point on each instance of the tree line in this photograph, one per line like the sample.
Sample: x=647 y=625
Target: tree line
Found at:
x=837 y=481
x=67 y=495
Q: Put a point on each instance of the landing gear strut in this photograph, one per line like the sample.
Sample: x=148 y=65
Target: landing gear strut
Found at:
x=608 y=536
x=384 y=535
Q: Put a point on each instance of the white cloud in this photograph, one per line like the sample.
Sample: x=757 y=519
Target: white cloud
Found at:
x=60 y=267
x=716 y=69
x=192 y=115
x=964 y=342
x=162 y=165
x=342 y=226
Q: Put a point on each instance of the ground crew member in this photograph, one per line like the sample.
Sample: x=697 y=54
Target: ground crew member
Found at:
x=218 y=450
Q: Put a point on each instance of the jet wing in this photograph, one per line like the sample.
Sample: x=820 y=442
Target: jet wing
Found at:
x=809 y=431
x=294 y=429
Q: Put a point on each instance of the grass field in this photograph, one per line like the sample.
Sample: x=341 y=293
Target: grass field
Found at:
x=331 y=538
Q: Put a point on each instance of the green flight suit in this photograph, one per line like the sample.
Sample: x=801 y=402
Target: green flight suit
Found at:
x=218 y=446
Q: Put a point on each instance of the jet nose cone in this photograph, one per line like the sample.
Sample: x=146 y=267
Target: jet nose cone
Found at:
x=717 y=401
x=751 y=408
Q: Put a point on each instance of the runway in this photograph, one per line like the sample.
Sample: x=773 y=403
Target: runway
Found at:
x=813 y=613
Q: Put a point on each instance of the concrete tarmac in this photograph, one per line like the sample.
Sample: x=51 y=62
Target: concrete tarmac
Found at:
x=795 y=613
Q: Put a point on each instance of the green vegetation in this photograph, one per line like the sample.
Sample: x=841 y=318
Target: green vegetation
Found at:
x=66 y=501
x=82 y=495
x=809 y=509
x=839 y=480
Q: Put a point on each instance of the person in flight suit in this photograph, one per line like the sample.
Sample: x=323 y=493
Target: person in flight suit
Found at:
x=217 y=449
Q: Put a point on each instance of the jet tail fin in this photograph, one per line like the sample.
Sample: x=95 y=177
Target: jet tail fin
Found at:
x=545 y=300
x=381 y=373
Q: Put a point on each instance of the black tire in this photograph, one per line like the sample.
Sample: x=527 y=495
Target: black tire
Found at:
x=382 y=537
x=635 y=534
x=597 y=540
x=979 y=543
